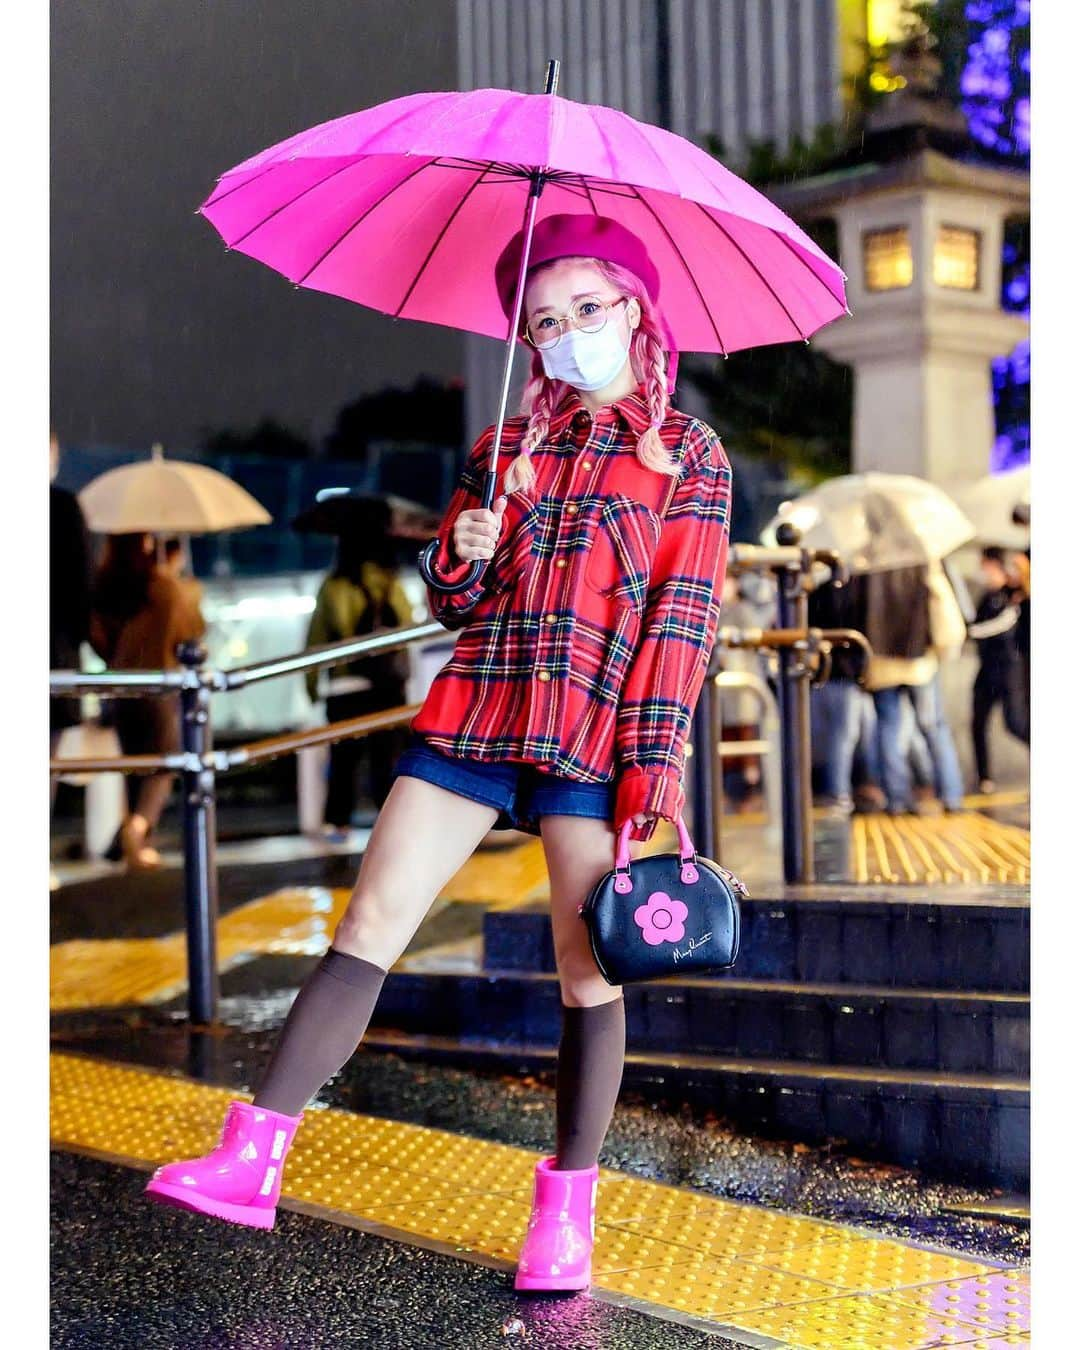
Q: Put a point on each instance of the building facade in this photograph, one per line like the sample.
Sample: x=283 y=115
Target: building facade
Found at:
x=737 y=70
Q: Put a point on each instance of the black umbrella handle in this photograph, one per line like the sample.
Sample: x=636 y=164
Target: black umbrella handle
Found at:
x=426 y=561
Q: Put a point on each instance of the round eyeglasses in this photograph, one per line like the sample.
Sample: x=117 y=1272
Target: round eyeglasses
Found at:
x=589 y=314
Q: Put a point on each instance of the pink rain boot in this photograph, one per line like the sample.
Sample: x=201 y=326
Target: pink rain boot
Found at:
x=240 y=1180
x=557 y=1252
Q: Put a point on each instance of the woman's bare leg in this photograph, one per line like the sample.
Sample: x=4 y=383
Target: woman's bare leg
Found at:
x=593 y=1042
x=422 y=835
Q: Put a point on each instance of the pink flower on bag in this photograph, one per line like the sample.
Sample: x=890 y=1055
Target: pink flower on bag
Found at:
x=661 y=919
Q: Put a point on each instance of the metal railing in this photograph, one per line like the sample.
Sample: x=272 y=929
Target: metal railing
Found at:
x=803 y=657
x=199 y=763
x=802 y=654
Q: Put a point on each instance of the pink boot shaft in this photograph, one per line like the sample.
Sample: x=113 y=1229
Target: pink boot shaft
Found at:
x=557 y=1252
x=240 y=1180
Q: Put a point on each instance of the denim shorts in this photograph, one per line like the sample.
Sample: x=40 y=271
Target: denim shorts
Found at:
x=519 y=792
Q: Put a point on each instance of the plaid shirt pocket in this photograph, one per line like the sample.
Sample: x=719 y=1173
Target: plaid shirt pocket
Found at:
x=620 y=559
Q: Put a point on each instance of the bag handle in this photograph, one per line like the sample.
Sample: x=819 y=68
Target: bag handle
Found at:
x=687 y=855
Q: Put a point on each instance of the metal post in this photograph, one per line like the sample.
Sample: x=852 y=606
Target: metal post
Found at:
x=706 y=837
x=200 y=833
x=794 y=692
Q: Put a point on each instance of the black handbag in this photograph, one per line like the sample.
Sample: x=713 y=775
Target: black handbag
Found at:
x=667 y=914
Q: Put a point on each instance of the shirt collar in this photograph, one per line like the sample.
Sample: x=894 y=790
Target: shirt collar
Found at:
x=633 y=409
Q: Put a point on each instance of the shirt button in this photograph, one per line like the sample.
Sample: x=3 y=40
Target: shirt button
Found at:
x=549 y=618
x=560 y=562
x=586 y=466
x=571 y=509
x=543 y=675
x=582 y=419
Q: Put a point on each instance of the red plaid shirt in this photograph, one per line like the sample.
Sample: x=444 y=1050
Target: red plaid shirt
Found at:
x=584 y=644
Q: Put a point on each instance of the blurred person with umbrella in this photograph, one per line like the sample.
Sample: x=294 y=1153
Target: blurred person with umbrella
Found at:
x=141 y=612
x=361 y=594
x=587 y=593
x=1021 y=578
x=893 y=530
x=144 y=607
x=1000 y=676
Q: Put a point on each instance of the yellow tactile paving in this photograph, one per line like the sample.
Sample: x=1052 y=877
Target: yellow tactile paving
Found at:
x=860 y=1322
x=810 y=1284
x=103 y=973
x=999 y=1303
x=965 y=847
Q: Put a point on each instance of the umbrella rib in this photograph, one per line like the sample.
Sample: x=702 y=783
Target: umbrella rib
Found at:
x=438 y=240
x=761 y=276
x=791 y=247
x=213 y=201
x=678 y=253
x=360 y=220
x=588 y=196
x=293 y=200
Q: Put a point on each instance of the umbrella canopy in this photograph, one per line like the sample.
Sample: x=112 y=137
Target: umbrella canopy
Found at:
x=160 y=496
x=342 y=513
x=990 y=504
x=407 y=206
x=877 y=521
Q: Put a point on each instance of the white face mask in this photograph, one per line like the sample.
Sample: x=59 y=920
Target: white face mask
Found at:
x=586 y=360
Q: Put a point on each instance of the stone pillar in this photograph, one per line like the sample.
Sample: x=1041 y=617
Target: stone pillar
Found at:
x=921 y=351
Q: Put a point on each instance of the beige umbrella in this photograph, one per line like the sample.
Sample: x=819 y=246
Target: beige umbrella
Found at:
x=877 y=521
x=168 y=497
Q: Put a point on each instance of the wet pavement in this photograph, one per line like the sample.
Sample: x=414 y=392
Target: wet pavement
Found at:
x=128 y=1275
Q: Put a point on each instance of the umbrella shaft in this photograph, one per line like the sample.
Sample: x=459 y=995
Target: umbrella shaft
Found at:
x=511 y=338
x=538 y=180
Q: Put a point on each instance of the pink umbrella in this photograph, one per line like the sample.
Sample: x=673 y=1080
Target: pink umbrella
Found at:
x=407 y=206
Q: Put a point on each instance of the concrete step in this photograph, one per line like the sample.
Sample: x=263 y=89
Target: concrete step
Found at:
x=872 y=1026
x=960 y=1126
x=959 y=938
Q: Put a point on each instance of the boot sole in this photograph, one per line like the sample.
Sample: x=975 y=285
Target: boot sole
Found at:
x=539 y=1284
x=247 y=1215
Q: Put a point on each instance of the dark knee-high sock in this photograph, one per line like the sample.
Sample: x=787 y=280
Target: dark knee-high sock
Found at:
x=323 y=1028
x=587 y=1080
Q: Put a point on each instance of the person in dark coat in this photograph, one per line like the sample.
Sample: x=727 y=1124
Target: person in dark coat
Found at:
x=69 y=592
x=841 y=699
x=360 y=595
x=1001 y=673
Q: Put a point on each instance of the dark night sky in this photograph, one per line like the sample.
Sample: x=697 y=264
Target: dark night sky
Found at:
x=157 y=332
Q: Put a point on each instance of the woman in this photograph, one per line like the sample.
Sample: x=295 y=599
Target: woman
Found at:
x=563 y=711
x=360 y=595
x=140 y=614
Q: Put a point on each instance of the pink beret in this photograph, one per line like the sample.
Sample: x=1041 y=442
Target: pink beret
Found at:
x=569 y=235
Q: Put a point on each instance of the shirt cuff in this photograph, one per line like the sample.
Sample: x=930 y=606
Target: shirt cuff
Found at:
x=655 y=790
x=447 y=568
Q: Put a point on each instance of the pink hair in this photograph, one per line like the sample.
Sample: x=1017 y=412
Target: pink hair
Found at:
x=648 y=360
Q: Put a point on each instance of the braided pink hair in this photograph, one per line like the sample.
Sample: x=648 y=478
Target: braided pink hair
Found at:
x=648 y=360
